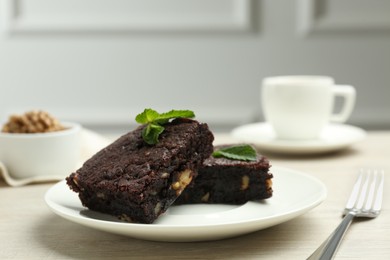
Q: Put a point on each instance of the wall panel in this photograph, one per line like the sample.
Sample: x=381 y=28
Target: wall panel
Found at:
x=126 y=15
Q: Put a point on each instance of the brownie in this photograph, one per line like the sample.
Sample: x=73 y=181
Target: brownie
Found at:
x=138 y=182
x=222 y=180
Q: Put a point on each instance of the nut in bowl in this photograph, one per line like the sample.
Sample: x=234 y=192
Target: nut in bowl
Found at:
x=40 y=156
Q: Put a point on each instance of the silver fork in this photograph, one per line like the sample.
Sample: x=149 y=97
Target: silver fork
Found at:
x=364 y=201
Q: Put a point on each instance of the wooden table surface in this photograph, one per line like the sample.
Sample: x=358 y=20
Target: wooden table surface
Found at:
x=30 y=230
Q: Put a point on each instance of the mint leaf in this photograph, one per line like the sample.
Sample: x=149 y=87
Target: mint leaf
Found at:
x=148 y=116
x=238 y=152
x=151 y=133
x=165 y=117
x=154 y=122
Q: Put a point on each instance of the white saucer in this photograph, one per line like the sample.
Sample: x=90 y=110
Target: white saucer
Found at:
x=334 y=137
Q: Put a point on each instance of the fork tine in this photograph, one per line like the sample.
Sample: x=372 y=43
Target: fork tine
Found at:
x=363 y=193
x=379 y=195
x=355 y=192
x=371 y=193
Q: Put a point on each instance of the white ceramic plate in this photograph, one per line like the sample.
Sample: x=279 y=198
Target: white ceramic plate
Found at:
x=334 y=137
x=294 y=194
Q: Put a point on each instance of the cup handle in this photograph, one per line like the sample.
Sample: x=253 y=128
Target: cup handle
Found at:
x=348 y=93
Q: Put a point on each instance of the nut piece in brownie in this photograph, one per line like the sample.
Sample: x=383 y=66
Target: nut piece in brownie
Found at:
x=222 y=180
x=138 y=182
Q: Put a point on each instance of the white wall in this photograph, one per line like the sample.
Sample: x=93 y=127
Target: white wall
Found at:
x=102 y=61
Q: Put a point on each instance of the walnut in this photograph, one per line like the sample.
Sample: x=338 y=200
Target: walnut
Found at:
x=185 y=178
x=176 y=185
x=244 y=182
x=205 y=197
x=125 y=217
x=268 y=183
x=165 y=175
x=34 y=121
x=101 y=195
x=157 y=208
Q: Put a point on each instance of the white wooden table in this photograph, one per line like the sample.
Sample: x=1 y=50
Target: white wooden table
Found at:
x=29 y=230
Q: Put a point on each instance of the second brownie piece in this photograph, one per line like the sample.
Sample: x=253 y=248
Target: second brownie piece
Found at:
x=222 y=180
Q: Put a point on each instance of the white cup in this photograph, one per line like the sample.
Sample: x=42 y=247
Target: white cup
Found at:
x=53 y=154
x=299 y=107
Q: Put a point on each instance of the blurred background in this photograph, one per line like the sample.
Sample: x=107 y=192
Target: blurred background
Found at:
x=100 y=62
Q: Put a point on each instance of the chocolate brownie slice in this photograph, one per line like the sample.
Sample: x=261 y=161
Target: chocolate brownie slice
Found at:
x=222 y=180
x=138 y=182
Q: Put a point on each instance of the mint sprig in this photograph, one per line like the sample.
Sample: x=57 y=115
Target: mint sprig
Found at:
x=237 y=152
x=151 y=133
x=154 y=122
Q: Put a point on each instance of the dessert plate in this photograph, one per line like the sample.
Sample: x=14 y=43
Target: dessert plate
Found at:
x=203 y=222
x=334 y=137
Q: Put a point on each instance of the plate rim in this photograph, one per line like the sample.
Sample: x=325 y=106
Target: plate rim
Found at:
x=105 y=225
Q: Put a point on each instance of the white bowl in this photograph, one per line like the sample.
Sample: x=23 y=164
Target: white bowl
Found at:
x=54 y=154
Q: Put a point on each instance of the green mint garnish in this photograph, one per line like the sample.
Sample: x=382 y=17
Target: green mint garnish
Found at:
x=151 y=133
x=154 y=122
x=237 y=152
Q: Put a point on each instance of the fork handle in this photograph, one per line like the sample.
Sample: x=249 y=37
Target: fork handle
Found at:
x=329 y=246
